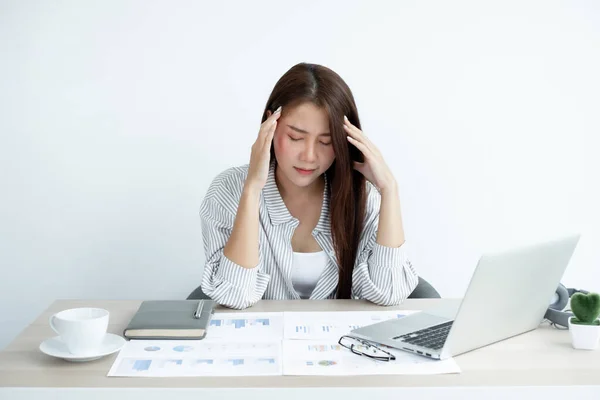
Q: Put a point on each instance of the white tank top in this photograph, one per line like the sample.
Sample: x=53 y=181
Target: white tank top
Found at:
x=306 y=270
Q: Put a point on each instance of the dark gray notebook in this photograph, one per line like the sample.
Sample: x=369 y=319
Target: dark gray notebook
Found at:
x=170 y=319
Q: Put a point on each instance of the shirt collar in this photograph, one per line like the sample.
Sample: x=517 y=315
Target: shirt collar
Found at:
x=278 y=212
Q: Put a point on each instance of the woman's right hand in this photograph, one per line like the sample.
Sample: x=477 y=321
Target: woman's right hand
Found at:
x=258 y=170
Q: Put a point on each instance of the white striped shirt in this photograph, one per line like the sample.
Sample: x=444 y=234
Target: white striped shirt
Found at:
x=382 y=275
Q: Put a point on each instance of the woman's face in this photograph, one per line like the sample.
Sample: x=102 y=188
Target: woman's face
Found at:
x=302 y=144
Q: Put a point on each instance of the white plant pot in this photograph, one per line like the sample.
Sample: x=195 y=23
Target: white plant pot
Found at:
x=584 y=337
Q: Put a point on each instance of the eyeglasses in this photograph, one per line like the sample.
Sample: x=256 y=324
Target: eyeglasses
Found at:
x=365 y=348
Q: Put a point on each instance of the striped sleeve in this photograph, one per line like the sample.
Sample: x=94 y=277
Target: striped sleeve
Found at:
x=224 y=281
x=382 y=275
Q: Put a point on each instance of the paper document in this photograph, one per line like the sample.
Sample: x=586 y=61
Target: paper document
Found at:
x=332 y=325
x=285 y=343
x=233 y=326
x=167 y=358
x=322 y=357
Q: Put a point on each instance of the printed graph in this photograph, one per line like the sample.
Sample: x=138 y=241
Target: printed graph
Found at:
x=317 y=328
x=324 y=347
x=167 y=364
x=239 y=323
x=182 y=349
x=141 y=365
x=203 y=358
x=302 y=329
x=327 y=363
x=265 y=361
x=322 y=363
x=205 y=361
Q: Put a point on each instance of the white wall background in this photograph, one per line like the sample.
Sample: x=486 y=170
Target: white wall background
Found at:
x=116 y=115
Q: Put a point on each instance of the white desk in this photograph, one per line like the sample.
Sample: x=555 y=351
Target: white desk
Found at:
x=541 y=362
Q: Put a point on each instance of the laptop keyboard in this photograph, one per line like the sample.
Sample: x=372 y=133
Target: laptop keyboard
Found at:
x=432 y=337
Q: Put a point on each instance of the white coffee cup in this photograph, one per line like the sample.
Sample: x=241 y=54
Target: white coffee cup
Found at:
x=81 y=329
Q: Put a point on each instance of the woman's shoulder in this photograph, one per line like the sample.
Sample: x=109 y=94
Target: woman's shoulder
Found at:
x=229 y=181
x=232 y=175
x=225 y=190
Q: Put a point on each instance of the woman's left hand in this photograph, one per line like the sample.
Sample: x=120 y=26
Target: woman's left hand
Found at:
x=374 y=167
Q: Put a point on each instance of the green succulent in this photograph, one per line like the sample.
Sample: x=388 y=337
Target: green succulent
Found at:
x=586 y=308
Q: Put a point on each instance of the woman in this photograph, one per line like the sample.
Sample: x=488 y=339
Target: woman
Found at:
x=315 y=214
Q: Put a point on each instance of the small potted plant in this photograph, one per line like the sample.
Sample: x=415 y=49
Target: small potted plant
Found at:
x=584 y=327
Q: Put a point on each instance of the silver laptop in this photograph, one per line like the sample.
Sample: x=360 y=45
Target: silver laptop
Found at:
x=508 y=294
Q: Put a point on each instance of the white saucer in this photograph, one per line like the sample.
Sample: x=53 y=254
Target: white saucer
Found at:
x=57 y=348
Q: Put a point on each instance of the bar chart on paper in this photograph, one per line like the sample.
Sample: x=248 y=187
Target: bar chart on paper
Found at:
x=240 y=323
x=328 y=325
x=319 y=330
x=245 y=326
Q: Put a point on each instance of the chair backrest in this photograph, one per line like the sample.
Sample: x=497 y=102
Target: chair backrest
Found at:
x=424 y=290
x=198 y=294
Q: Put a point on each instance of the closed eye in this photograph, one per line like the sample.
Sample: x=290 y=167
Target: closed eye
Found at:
x=293 y=139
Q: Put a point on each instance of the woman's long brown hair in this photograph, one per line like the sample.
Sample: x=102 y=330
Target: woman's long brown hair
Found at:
x=326 y=89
